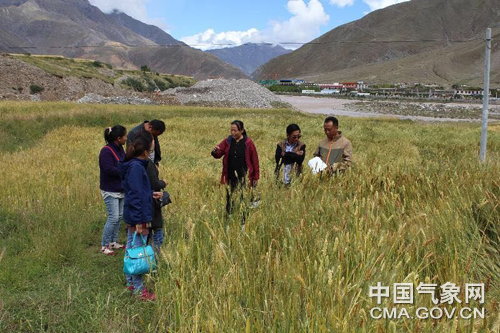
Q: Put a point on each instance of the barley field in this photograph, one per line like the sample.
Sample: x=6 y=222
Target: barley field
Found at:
x=416 y=207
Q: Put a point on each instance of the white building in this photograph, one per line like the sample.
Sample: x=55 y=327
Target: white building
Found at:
x=330 y=91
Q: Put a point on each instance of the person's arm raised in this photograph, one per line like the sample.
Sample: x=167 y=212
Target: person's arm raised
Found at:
x=219 y=150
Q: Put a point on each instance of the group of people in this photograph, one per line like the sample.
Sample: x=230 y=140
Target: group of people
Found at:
x=131 y=187
x=335 y=150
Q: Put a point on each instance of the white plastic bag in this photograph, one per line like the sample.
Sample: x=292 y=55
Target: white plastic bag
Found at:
x=317 y=165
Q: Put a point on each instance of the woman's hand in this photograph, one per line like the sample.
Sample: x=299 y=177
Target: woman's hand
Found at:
x=254 y=183
x=217 y=152
x=157 y=195
x=138 y=228
x=300 y=152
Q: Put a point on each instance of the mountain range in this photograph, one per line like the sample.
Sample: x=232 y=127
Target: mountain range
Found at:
x=427 y=41
x=248 y=57
x=75 y=28
x=433 y=41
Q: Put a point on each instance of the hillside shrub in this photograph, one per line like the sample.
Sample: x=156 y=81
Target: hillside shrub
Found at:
x=162 y=85
x=151 y=86
x=134 y=84
x=35 y=89
x=184 y=83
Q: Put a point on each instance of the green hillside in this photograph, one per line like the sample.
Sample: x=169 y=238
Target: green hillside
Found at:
x=64 y=67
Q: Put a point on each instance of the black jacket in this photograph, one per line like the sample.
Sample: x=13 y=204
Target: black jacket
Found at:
x=157 y=185
x=290 y=157
x=137 y=131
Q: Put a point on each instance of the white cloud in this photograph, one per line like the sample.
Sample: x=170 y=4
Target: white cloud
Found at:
x=301 y=27
x=342 y=3
x=135 y=8
x=305 y=23
x=211 y=40
x=378 y=4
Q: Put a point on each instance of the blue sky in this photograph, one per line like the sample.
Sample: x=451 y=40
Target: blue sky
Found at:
x=217 y=23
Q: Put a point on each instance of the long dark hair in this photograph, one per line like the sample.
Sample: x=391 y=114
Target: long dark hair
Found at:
x=113 y=133
x=140 y=144
x=240 y=126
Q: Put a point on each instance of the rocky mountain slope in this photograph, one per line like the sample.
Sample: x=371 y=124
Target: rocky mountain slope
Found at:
x=183 y=59
x=148 y=31
x=53 y=78
x=374 y=47
x=461 y=63
x=75 y=28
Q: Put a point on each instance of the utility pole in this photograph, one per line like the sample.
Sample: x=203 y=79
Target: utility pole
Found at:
x=486 y=97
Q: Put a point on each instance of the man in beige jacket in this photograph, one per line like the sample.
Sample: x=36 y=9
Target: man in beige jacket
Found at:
x=335 y=150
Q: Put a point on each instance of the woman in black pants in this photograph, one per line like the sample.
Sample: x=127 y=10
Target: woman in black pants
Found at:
x=240 y=162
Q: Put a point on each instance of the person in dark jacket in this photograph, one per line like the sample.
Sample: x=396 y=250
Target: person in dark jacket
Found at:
x=240 y=161
x=290 y=154
x=157 y=185
x=137 y=211
x=156 y=128
x=111 y=187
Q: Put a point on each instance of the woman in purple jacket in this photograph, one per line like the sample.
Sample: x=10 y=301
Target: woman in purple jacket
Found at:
x=111 y=187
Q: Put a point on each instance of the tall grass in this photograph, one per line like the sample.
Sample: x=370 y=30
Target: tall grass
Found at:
x=416 y=207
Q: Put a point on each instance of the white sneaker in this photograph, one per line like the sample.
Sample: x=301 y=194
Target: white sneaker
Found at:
x=116 y=245
x=107 y=251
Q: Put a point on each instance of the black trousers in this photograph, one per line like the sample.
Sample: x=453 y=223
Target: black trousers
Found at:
x=236 y=188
